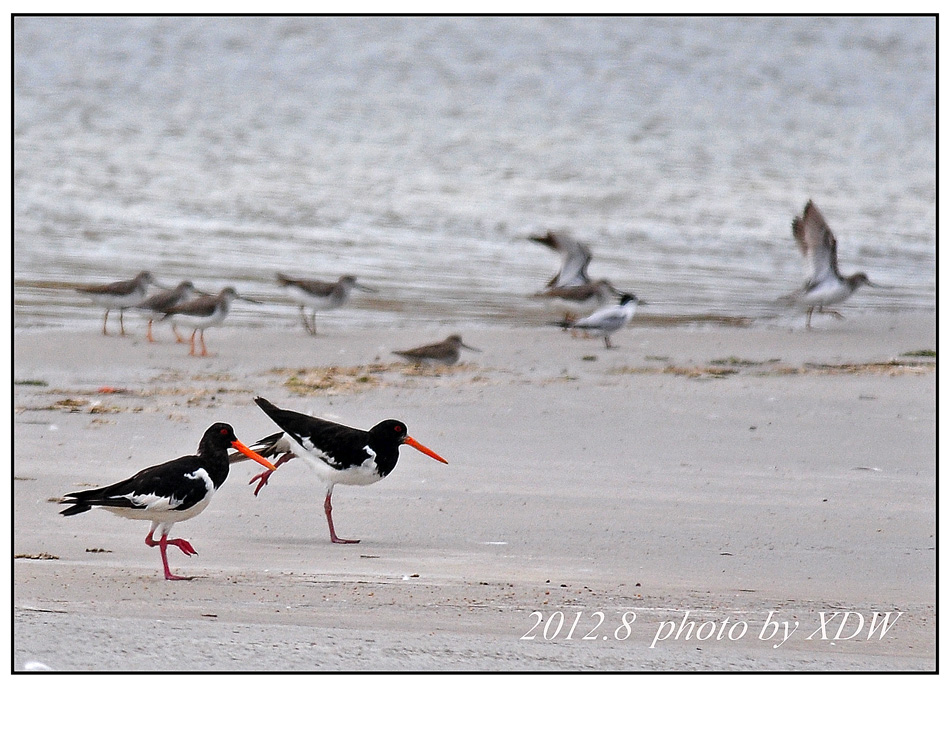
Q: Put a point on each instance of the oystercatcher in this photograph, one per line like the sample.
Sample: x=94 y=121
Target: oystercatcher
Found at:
x=161 y=302
x=339 y=454
x=825 y=285
x=204 y=312
x=445 y=352
x=609 y=319
x=122 y=294
x=171 y=492
x=319 y=295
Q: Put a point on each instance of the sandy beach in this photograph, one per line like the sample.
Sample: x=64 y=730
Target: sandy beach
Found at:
x=713 y=498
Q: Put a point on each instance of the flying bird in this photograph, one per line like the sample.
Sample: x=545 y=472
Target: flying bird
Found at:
x=825 y=285
x=574 y=259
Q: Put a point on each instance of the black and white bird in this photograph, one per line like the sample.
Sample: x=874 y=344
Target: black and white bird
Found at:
x=171 y=492
x=319 y=295
x=122 y=294
x=607 y=320
x=446 y=352
x=825 y=285
x=158 y=305
x=339 y=454
x=204 y=312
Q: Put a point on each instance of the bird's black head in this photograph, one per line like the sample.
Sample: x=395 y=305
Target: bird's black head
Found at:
x=626 y=298
x=218 y=436
x=389 y=432
x=394 y=433
x=859 y=279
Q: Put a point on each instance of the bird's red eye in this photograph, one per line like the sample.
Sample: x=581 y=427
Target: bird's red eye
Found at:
x=224 y=431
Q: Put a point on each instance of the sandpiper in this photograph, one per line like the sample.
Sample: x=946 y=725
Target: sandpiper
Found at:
x=160 y=303
x=122 y=294
x=204 y=312
x=319 y=295
x=444 y=352
x=590 y=295
x=607 y=320
x=825 y=284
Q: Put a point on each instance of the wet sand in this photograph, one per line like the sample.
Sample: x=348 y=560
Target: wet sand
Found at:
x=671 y=504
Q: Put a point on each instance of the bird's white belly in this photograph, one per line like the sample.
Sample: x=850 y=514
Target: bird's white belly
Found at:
x=320 y=303
x=199 y=322
x=825 y=294
x=162 y=512
x=110 y=301
x=363 y=474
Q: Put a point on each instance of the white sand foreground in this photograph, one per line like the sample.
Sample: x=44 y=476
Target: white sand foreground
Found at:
x=711 y=499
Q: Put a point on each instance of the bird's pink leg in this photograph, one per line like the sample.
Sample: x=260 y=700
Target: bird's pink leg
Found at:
x=148 y=334
x=204 y=349
x=265 y=475
x=163 y=544
x=105 y=320
x=329 y=510
x=192 y=350
x=121 y=322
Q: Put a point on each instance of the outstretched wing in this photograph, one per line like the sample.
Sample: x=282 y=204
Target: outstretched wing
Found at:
x=816 y=242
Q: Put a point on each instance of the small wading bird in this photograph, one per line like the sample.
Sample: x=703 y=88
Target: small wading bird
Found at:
x=571 y=287
x=159 y=304
x=122 y=294
x=339 y=454
x=319 y=295
x=171 y=492
x=589 y=295
x=204 y=312
x=446 y=352
x=607 y=320
x=825 y=285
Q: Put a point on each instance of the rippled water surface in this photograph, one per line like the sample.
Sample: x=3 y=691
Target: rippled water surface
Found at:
x=418 y=154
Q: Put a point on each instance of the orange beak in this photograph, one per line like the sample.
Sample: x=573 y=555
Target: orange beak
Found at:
x=424 y=449
x=251 y=455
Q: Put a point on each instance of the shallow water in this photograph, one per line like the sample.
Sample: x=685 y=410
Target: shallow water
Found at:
x=419 y=153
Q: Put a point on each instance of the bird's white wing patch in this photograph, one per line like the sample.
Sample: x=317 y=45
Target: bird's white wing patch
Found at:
x=152 y=502
x=204 y=476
